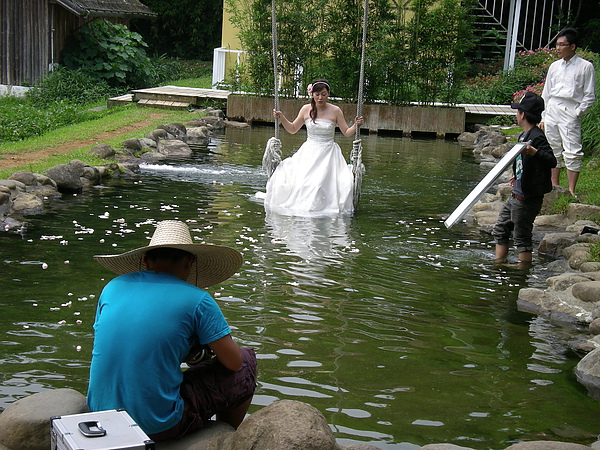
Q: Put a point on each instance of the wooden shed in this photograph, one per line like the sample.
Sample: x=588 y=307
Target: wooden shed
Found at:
x=34 y=32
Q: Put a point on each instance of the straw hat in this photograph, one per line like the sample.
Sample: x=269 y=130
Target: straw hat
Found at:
x=214 y=263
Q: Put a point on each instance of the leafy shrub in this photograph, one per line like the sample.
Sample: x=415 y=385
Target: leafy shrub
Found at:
x=163 y=70
x=71 y=86
x=183 y=28
x=590 y=122
x=112 y=53
x=503 y=87
x=20 y=119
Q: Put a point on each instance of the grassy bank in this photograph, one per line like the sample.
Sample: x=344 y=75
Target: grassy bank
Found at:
x=111 y=128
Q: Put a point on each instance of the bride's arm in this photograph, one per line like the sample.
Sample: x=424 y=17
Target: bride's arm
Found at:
x=343 y=126
x=292 y=127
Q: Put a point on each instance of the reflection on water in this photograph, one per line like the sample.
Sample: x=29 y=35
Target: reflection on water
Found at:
x=399 y=331
x=317 y=240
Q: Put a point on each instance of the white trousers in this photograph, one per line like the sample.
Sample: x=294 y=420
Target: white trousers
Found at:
x=563 y=131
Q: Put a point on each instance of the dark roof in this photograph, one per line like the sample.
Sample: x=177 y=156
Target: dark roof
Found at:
x=107 y=8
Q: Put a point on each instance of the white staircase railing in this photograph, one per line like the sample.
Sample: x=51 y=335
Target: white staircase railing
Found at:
x=220 y=63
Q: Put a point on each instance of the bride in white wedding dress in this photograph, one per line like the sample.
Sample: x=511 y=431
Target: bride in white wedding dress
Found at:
x=316 y=180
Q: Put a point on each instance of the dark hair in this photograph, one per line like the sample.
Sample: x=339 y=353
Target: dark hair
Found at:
x=173 y=255
x=571 y=34
x=318 y=86
x=531 y=118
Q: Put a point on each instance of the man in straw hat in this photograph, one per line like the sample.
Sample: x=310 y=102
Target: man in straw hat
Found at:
x=147 y=321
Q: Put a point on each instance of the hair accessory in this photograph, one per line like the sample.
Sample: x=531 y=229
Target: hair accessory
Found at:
x=311 y=86
x=214 y=263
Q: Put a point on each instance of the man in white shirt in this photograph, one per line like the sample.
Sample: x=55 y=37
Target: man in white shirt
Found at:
x=568 y=93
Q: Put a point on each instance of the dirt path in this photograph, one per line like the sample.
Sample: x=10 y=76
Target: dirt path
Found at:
x=10 y=160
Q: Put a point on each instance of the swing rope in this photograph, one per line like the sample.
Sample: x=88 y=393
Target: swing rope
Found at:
x=358 y=168
x=272 y=155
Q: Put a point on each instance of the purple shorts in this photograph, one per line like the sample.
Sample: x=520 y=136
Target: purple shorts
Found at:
x=209 y=388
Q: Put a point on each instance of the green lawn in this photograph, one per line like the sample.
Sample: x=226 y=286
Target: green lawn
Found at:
x=124 y=121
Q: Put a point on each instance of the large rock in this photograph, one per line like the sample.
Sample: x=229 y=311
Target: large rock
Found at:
x=588 y=291
x=174 y=148
x=153 y=156
x=13 y=186
x=565 y=280
x=66 y=176
x=27 y=204
x=25 y=424
x=25 y=177
x=177 y=130
x=553 y=243
x=197 y=132
x=444 y=447
x=595 y=327
x=484 y=206
x=147 y=143
x=90 y=174
x=560 y=307
x=157 y=135
x=197 y=136
x=588 y=373
x=500 y=150
x=554 y=221
x=577 y=254
x=236 y=124
x=487 y=137
x=285 y=424
x=547 y=445
x=5 y=203
x=580 y=225
x=214 y=112
x=208 y=437
x=590 y=266
x=132 y=144
x=467 y=139
x=579 y=211
x=44 y=186
x=103 y=151
x=214 y=122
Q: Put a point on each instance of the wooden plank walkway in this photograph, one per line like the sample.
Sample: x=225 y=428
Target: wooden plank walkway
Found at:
x=488 y=110
x=177 y=91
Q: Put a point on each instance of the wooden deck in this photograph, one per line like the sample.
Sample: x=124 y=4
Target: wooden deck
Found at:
x=447 y=119
x=169 y=97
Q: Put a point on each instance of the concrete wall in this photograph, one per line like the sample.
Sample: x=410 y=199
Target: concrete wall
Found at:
x=405 y=119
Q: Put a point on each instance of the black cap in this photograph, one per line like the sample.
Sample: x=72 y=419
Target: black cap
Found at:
x=531 y=103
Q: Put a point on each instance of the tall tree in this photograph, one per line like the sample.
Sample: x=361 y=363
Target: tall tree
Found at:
x=188 y=29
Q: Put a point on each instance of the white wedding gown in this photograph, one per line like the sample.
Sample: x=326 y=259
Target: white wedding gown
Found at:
x=316 y=179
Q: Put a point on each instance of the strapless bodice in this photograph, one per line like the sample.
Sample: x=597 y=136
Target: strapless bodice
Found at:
x=321 y=130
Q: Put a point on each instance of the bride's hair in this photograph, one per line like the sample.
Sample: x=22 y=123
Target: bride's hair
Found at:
x=317 y=86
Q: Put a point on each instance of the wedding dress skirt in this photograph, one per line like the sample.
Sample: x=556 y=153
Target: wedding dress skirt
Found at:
x=316 y=179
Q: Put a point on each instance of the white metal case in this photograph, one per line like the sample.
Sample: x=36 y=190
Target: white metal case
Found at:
x=103 y=430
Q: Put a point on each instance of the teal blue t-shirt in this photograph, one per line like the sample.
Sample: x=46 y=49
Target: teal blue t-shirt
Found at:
x=145 y=326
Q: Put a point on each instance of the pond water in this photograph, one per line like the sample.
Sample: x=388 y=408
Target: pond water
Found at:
x=399 y=331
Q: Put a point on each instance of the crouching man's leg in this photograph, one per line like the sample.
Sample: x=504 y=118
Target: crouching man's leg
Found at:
x=209 y=389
